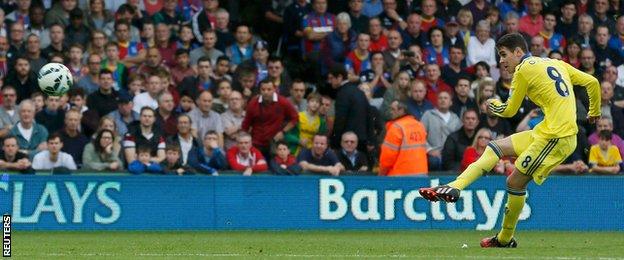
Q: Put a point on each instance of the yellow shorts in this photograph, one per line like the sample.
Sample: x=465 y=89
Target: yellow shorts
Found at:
x=537 y=156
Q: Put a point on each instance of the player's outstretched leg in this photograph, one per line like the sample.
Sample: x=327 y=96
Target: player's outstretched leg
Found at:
x=516 y=195
x=450 y=192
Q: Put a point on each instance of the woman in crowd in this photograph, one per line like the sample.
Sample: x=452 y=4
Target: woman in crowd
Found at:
x=572 y=53
x=398 y=91
x=101 y=154
x=339 y=42
x=473 y=152
x=378 y=76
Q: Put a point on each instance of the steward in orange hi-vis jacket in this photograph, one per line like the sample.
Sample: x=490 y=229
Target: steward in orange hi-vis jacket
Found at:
x=404 y=150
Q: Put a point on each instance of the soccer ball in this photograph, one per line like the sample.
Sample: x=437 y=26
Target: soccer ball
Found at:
x=55 y=79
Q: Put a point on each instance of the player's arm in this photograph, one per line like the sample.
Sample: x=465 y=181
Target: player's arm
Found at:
x=509 y=108
x=580 y=78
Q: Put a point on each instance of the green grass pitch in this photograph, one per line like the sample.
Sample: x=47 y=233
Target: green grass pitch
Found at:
x=313 y=244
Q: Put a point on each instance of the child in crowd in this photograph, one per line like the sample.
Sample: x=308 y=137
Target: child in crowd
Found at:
x=172 y=163
x=143 y=164
x=37 y=99
x=186 y=103
x=183 y=68
x=136 y=85
x=77 y=99
x=284 y=163
x=604 y=157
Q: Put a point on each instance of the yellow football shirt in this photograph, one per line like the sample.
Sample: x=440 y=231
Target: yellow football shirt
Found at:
x=549 y=84
x=598 y=157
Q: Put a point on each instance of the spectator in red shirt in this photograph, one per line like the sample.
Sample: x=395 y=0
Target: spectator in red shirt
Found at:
x=429 y=20
x=434 y=83
x=473 y=152
x=244 y=157
x=532 y=22
x=268 y=117
x=379 y=41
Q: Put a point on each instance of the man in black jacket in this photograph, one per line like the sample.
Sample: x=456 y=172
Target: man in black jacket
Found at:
x=351 y=110
x=457 y=142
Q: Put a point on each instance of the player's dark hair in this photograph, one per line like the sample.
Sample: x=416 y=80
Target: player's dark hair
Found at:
x=512 y=41
x=605 y=135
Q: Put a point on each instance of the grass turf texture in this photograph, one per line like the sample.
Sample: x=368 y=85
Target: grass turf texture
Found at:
x=314 y=244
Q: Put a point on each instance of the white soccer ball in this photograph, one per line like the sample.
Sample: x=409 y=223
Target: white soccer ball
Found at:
x=55 y=79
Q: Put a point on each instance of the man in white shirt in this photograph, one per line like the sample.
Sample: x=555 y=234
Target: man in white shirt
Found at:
x=150 y=97
x=53 y=157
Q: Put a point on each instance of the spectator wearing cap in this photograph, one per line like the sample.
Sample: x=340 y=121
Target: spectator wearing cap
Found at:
x=455 y=69
x=352 y=110
x=103 y=100
x=258 y=61
x=72 y=138
x=123 y=115
x=144 y=133
x=204 y=118
x=77 y=30
x=439 y=123
x=268 y=117
x=533 y=21
x=359 y=21
x=451 y=32
x=242 y=49
x=209 y=39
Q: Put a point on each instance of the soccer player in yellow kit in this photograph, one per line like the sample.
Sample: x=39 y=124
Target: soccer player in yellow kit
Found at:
x=548 y=83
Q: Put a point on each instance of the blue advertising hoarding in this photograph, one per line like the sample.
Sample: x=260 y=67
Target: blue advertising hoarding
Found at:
x=299 y=202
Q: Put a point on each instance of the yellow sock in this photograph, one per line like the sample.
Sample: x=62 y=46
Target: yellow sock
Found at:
x=485 y=163
x=515 y=203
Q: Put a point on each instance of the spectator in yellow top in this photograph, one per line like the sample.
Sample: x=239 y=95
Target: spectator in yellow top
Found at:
x=604 y=157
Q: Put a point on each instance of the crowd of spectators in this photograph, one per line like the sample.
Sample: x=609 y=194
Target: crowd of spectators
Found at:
x=392 y=87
